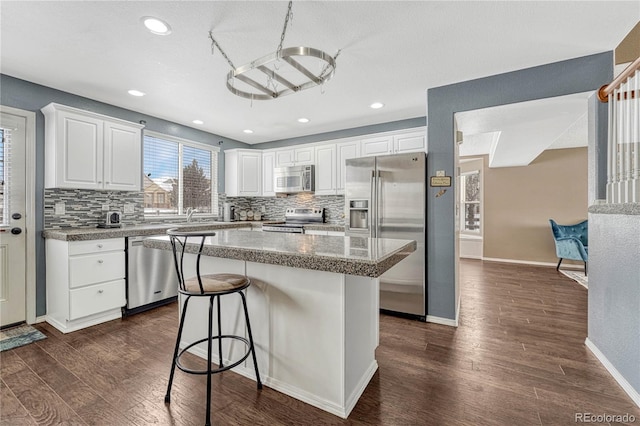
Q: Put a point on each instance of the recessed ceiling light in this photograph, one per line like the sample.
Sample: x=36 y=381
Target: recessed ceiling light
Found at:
x=303 y=120
x=134 y=92
x=198 y=122
x=248 y=131
x=156 y=26
x=376 y=105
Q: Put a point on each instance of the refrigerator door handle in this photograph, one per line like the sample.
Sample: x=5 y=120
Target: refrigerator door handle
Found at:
x=378 y=205
x=373 y=228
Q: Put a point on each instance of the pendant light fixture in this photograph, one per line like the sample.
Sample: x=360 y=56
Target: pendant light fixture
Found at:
x=285 y=71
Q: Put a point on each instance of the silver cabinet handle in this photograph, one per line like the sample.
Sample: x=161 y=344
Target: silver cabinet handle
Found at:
x=99 y=245
x=100 y=261
x=100 y=291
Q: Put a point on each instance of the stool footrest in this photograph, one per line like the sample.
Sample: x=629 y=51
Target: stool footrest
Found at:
x=217 y=370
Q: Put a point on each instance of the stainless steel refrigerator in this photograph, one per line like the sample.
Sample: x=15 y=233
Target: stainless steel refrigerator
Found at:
x=385 y=198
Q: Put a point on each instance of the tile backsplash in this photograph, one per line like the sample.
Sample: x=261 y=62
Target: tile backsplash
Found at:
x=275 y=206
x=84 y=207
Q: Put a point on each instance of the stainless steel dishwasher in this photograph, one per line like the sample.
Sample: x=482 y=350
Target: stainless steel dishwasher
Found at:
x=151 y=277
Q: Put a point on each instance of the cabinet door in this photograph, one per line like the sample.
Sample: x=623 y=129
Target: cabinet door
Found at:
x=122 y=157
x=79 y=148
x=284 y=158
x=250 y=173
x=344 y=151
x=303 y=156
x=325 y=169
x=409 y=142
x=377 y=146
x=268 y=164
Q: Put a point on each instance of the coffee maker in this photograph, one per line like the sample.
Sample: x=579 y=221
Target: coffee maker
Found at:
x=228 y=212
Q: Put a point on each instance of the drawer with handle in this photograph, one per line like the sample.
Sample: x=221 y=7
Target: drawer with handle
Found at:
x=93 y=246
x=96 y=268
x=97 y=298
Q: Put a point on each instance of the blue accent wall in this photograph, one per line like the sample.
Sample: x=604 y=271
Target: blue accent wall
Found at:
x=578 y=75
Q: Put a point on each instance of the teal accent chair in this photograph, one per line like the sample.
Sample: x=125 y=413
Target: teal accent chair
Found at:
x=572 y=242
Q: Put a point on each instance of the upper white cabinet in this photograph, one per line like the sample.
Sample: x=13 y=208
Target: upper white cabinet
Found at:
x=294 y=156
x=410 y=142
x=243 y=172
x=394 y=144
x=344 y=151
x=325 y=169
x=382 y=145
x=84 y=150
x=268 y=164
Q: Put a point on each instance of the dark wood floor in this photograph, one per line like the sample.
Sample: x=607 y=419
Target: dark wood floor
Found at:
x=517 y=358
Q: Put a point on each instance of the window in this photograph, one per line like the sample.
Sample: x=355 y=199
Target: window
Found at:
x=179 y=175
x=470 y=202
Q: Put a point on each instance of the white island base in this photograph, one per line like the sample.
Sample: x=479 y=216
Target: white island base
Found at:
x=315 y=332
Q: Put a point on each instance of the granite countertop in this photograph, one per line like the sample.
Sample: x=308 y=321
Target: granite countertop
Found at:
x=88 y=233
x=622 y=208
x=369 y=257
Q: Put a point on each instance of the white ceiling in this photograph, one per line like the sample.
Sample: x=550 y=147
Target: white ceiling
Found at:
x=515 y=134
x=392 y=52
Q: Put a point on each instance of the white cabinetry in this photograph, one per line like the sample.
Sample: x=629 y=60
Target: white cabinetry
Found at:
x=85 y=282
x=84 y=150
x=344 y=151
x=294 y=156
x=243 y=172
x=382 y=145
x=410 y=142
x=325 y=169
x=394 y=143
x=268 y=164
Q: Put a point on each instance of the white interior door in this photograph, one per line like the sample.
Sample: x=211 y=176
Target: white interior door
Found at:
x=12 y=219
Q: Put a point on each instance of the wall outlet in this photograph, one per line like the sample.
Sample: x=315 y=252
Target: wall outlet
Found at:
x=59 y=209
x=263 y=209
x=105 y=207
x=129 y=208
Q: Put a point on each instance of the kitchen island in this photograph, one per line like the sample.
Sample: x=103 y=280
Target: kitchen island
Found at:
x=313 y=305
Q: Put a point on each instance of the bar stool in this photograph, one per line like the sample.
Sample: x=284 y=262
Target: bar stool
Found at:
x=212 y=286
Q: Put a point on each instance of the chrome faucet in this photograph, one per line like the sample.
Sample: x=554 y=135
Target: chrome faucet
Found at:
x=190 y=212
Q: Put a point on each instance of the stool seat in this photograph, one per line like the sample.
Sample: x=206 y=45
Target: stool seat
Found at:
x=215 y=283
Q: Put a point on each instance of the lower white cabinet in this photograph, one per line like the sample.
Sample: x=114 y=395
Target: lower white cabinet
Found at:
x=85 y=282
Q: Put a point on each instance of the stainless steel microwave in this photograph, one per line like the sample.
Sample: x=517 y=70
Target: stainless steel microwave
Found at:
x=289 y=180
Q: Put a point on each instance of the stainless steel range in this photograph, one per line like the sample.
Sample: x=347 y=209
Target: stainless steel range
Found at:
x=295 y=219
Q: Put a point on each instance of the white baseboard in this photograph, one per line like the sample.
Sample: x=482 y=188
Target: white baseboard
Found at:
x=40 y=319
x=295 y=392
x=626 y=386
x=443 y=321
x=531 y=262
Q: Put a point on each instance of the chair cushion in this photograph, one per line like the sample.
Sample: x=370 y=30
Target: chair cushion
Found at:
x=216 y=283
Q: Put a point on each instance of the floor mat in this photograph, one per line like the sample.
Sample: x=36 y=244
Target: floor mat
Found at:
x=19 y=336
x=577 y=276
